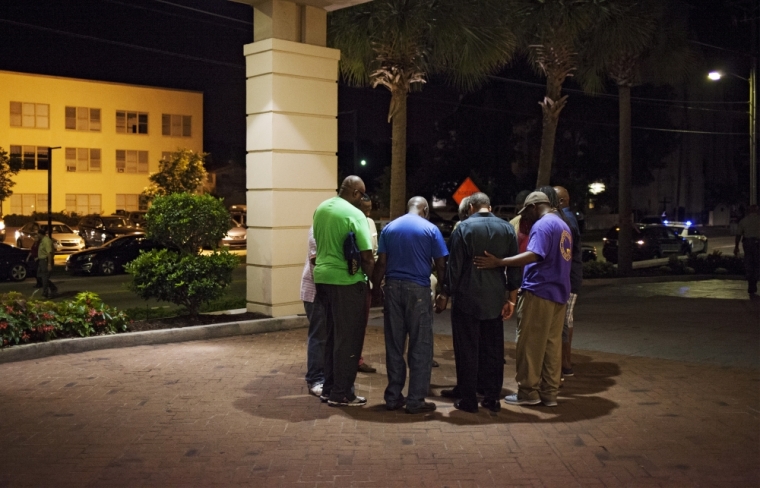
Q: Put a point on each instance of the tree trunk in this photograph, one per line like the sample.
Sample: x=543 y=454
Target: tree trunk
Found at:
x=398 y=155
x=551 y=106
x=625 y=236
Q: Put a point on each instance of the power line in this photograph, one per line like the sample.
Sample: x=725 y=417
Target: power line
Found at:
x=168 y=14
x=204 y=12
x=124 y=44
x=564 y=119
x=607 y=95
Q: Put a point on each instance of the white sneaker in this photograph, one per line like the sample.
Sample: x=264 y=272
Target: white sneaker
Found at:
x=356 y=402
x=316 y=389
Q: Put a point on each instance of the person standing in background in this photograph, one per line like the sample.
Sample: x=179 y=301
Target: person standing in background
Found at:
x=576 y=280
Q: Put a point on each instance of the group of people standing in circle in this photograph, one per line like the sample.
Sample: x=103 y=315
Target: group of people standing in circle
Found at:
x=491 y=270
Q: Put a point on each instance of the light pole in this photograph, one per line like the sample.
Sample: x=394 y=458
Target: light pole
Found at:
x=50 y=190
x=752 y=80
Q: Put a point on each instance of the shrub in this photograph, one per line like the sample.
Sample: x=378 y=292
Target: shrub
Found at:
x=182 y=279
x=28 y=320
x=187 y=222
x=598 y=269
x=87 y=315
x=715 y=262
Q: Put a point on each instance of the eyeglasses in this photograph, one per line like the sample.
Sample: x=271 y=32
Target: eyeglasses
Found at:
x=365 y=197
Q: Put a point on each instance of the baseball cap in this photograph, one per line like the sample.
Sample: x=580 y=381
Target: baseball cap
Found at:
x=533 y=199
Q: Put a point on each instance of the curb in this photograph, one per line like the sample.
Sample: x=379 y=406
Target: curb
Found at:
x=146 y=338
x=657 y=279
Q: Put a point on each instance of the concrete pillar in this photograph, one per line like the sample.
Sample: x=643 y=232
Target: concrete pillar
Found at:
x=292 y=143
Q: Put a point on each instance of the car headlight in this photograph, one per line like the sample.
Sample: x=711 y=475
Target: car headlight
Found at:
x=640 y=243
x=17 y=235
x=2 y=225
x=103 y=236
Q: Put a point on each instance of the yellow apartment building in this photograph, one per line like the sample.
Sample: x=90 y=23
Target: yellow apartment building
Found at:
x=111 y=138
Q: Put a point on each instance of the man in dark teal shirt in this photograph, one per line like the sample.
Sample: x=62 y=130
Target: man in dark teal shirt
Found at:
x=482 y=299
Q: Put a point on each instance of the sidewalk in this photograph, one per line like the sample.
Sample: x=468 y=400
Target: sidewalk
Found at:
x=665 y=394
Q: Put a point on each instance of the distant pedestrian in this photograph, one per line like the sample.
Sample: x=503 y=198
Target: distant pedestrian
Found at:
x=33 y=256
x=317 y=335
x=576 y=280
x=748 y=233
x=45 y=264
x=408 y=246
x=482 y=300
x=541 y=304
x=343 y=295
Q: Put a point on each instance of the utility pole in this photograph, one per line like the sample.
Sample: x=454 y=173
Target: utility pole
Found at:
x=50 y=190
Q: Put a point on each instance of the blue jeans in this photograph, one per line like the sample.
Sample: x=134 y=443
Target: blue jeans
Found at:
x=408 y=312
x=315 y=348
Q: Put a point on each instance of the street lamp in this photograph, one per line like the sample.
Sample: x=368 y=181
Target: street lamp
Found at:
x=752 y=80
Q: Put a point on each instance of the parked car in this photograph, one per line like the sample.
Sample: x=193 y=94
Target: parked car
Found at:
x=236 y=236
x=506 y=212
x=238 y=214
x=446 y=226
x=64 y=239
x=697 y=241
x=96 y=230
x=651 y=219
x=137 y=218
x=13 y=263
x=649 y=242
x=110 y=258
x=588 y=253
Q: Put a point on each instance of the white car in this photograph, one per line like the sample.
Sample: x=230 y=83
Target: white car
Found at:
x=697 y=240
x=64 y=239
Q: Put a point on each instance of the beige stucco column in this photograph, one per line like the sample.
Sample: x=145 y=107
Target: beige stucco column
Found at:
x=292 y=141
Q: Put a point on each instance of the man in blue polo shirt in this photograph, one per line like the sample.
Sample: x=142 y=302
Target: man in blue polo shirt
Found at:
x=407 y=248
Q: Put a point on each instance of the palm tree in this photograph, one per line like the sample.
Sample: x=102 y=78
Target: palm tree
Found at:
x=552 y=31
x=398 y=44
x=643 y=41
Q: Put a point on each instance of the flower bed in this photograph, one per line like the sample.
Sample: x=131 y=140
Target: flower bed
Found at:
x=25 y=320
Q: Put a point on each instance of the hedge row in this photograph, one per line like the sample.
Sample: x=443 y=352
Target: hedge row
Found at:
x=25 y=320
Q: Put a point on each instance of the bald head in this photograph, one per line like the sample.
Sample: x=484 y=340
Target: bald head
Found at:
x=353 y=190
x=418 y=206
x=563 y=195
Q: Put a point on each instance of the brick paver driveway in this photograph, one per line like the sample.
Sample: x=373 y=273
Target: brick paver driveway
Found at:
x=236 y=411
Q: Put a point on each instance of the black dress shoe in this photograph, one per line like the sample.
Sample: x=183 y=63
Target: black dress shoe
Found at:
x=394 y=406
x=493 y=405
x=424 y=407
x=451 y=393
x=465 y=406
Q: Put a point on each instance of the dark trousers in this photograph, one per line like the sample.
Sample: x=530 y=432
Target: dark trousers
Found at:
x=751 y=262
x=478 y=354
x=315 y=348
x=345 y=313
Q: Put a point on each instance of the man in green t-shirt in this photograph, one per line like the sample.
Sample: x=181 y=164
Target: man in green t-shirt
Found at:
x=341 y=294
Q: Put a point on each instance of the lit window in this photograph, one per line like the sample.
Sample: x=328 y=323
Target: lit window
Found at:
x=83 y=119
x=131 y=161
x=82 y=159
x=31 y=115
x=83 y=204
x=27 y=203
x=131 y=122
x=130 y=203
x=176 y=125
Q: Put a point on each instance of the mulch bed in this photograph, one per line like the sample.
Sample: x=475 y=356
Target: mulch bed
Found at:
x=187 y=321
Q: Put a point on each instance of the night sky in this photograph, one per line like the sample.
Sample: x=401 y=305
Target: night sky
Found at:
x=198 y=45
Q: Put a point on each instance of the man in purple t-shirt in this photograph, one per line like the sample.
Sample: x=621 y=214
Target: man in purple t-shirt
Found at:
x=541 y=303
x=407 y=249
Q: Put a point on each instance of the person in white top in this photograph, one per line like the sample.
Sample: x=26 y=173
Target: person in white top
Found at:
x=366 y=207
x=315 y=349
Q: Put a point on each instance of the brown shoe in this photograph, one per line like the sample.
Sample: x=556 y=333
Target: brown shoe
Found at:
x=366 y=368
